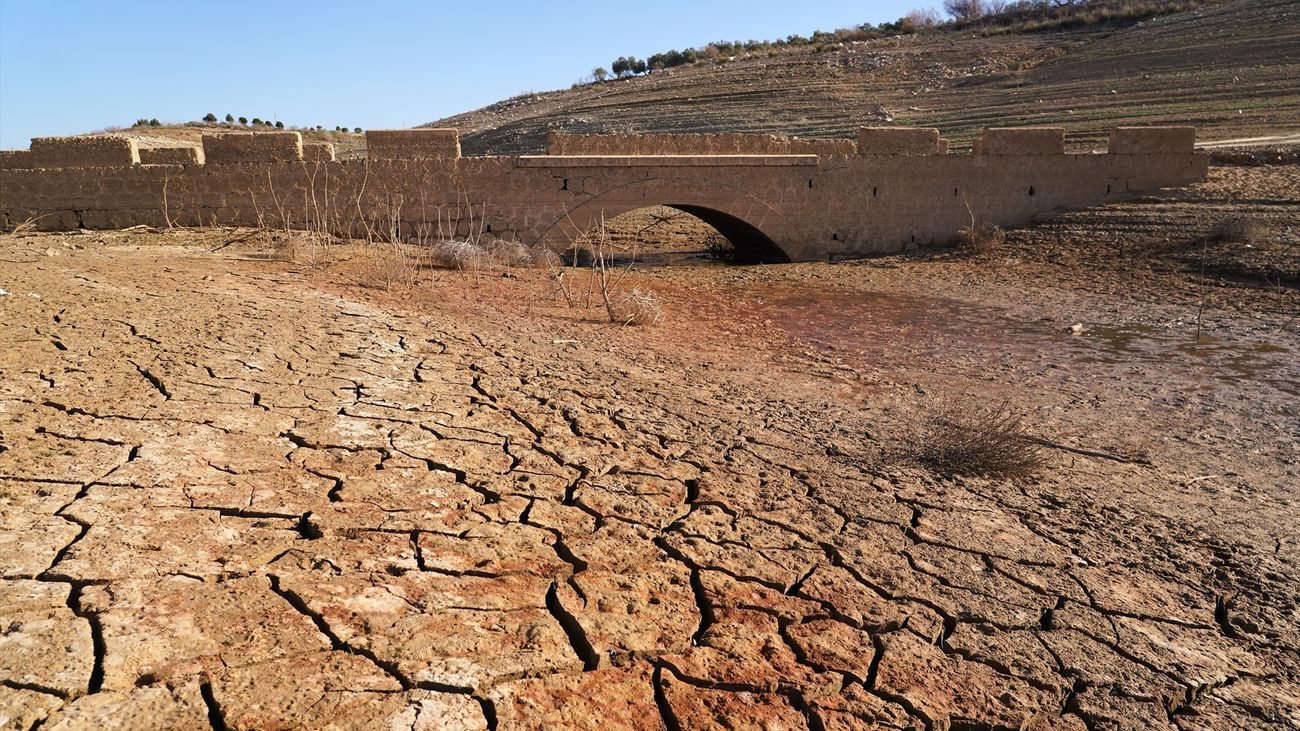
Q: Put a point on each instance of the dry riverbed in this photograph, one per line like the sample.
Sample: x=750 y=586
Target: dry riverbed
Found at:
x=244 y=493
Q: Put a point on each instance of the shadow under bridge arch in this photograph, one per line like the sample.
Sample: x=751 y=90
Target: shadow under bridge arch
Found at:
x=721 y=207
x=752 y=245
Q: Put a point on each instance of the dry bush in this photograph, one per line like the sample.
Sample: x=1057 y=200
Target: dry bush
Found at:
x=508 y=253
x=458 y=254
x=1238 y=230
x=467 y=255
x=636 y=308
x=300 y=247
x=980 y=238
x=544 y=257
x=967 y=438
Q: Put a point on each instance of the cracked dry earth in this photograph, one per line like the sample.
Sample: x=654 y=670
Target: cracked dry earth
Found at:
x=238 y=497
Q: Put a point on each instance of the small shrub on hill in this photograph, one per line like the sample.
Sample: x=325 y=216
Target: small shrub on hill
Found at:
x=1238 y=230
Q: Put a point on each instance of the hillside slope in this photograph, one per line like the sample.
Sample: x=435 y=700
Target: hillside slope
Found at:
x=1231 y=69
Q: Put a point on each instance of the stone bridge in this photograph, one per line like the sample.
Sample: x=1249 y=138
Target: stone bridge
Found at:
x=777 y=199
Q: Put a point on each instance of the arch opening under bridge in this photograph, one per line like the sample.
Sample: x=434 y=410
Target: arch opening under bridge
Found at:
x=736 y=216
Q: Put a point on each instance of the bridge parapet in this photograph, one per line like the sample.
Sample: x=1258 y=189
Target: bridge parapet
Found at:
x=727 y=143
x=16 y=160
x=412 y=144
x=187 y=155
x=96 y=151
x=252 y=147
x=902 y=191
x=1021 y=141
x=664 y=161
x=900 y=141
x=1152 y=140
x=318 y=151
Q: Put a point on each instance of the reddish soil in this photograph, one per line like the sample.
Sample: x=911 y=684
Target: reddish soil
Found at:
x=244 y=493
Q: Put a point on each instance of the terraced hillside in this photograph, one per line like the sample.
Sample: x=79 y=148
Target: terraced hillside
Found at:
x=1232 y=69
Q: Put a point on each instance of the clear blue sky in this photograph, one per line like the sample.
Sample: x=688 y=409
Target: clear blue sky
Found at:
x=72 y=66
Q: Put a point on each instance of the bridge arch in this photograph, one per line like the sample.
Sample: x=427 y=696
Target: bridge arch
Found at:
x=735 y=214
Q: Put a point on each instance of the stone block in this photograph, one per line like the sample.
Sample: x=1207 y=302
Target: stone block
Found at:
x=898 y=141
x=244 y=147
x=1021 y=141
x=15 y=159
x=1152 y=140
x=171 y=156
x=318 y=151
x=96 y=151
x=412 y=144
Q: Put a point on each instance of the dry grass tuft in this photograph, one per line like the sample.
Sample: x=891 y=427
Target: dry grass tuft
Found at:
x=26 y=227
x=636 y=308
x=989 y=440
x=980 y=238
x=1238 y=230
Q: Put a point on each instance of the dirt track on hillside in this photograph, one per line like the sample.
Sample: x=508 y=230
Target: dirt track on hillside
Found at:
x=246 y=493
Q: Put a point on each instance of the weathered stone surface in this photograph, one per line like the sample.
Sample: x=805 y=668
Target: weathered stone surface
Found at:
x=15 y=159
x=43 y=643
x=698 y=709
x=163 y=630
x=24 y=709
x=32 y=543
x=854 y=709
x=171 y=155
x=201 y=543
x=943 y=689
x=610 y=698
x=561 y=143
x=1152 y=140
x=154 y=708
x=412 y=144
x=329 y=689
x=898 y=141
x=461 y=632
x=96 y=151
x=1021 y=141
x=833 y=645
x=318 y=151
x=252 y=147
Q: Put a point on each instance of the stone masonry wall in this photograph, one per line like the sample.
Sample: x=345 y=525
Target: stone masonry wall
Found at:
x=243 y=147
x=1148 y=140
x=408 y=144
x=899 y=141
x=803 y=206
x=318 y=151
x=1021 y=141
x=100 y=151
x=559 y=143
x=171 y=156
x=15 y=159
